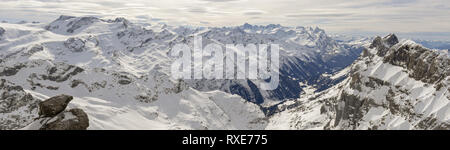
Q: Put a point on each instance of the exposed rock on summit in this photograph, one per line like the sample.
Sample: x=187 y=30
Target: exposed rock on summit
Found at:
x=425 y=65
x=393 y=85
x=383 y=44
x=53 y=116
x=54 y=105
x=14 y=100
x=75 y=44
x=73 y=119
x=2 y=31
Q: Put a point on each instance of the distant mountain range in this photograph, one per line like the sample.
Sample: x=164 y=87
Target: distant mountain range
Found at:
x=119 y=73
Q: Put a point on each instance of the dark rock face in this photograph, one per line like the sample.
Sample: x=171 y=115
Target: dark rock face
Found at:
x=63 y=17
x=54 y=105
x=83 y=21
x=390 y=40
x=377 y=42
x=53 y=115
x=12 y=97
x=122 y=20
x=351 y=111
x=383 y=44
x=421 y=63
x=75 y=44
x=74 y=119
x=73 y=24
x=2 y=31
x=34 y=49
x=10 y=71
x=425 y=65
x=61 y=72
x=124 y=78
x=124 y=82
x=14 y=100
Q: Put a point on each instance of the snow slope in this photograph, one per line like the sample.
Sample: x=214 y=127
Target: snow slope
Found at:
x=119 y=72
x=393 y=85
x=117 y=82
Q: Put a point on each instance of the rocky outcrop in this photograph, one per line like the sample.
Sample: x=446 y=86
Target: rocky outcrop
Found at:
x=17 y=108
x=393 y=85
x=53 y=116
x=78 y=23
x=60 y=72
x=2 y=31
x=10 y=71
x=73 y=119
x=71 y=24
x=34 y=49
x=383 y=44
x=122 y=20
x=420 y=63
x=54 y=105
x=350 y=109
x=424 y=64
x=390 y=40
x=75 y=44
x=123 y=78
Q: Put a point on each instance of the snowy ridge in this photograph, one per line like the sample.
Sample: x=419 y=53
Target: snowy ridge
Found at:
x=305 y=54
x=120 y=45
x=116 y=75
x=121 y=101
x=384 y=91
x=119 y=73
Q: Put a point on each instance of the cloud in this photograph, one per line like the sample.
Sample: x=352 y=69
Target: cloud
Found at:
x=322 y=15
x=156 y=19
x=332 y=15
x=253 y=12
x=220 y=0
x=197 y=10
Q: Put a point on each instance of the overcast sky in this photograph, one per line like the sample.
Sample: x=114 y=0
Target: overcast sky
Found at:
x=331 y=15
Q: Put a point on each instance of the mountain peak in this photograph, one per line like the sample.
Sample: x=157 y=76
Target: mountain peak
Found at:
x=317 y=30
x=425 y=64
x=72 y=25
x=383 y=44
x=2 y=31
x=64 y=17
x=377 y=41
x=390 y=39
x=247 y=25
x=69 y=24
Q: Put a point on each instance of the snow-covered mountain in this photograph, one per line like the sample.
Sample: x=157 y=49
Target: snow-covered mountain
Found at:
x=366 y=40
x=443 y=45
x=392 y=85
x=113 y=74
x=306 y=54
x=119 y=73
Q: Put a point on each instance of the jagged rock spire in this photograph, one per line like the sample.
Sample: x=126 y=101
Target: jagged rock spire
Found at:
x=383 y=44
x=2 y=31
x=64 y=17
x=390 y=39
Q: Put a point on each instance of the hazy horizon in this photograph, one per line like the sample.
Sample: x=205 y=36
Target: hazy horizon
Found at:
x=417 y=19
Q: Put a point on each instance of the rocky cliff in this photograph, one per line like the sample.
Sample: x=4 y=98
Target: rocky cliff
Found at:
x=392 y=85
